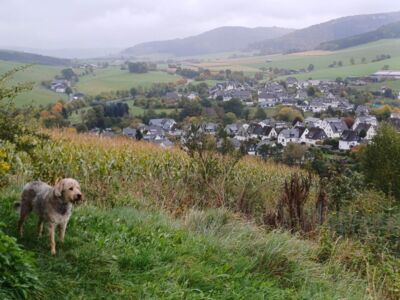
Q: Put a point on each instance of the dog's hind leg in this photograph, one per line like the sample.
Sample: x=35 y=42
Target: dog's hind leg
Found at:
x=40 y=227
x=25 y=210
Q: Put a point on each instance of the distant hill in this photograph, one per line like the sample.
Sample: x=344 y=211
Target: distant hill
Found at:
x=311 y=37
x=391 y=31
x=222 y=39
x=30 y=58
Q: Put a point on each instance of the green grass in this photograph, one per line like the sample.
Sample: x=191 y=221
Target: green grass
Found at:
x=131 y=253
x=35 y=74
x=113 y=79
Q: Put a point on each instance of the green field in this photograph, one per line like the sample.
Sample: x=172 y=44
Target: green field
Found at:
x=35 y=74
x=113 y=79
x=320 y=59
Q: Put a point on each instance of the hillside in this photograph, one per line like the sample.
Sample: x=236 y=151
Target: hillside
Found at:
x=320 y=59
x=30 y=58
x=35 y=74
x=223 y=39
x=310 y=37
x=391 y=31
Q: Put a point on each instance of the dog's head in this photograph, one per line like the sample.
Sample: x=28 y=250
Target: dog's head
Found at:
x=68 y=189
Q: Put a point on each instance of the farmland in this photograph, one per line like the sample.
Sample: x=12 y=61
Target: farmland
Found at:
x=320 y=59
x=35 y=74
x=113 y=79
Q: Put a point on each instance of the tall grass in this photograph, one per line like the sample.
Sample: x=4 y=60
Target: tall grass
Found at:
x=113 y=170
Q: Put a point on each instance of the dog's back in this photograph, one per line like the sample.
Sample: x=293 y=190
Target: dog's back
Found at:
x=32 y=196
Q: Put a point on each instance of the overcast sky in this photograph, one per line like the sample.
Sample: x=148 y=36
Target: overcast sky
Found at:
x=51 y=24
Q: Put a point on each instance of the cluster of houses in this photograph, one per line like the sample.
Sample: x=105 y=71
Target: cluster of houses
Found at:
x=273 y=94
x=312 y=131
x=60 y=85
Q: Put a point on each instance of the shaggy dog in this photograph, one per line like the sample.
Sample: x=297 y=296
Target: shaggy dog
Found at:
x=52 y=204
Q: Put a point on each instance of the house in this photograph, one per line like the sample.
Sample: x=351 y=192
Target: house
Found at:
x=366 y=131
x=258 y=131
x=317 y=106
x=362 y=110
x=129 y=132
x=174 y=96
x=292 y=135
x=153 y=133
x=333 y=127
x=242 y=95
x=165 y=124
x=164 y=142
x=193 y=96
x=232 y=129
x=78 y=96
x=365 y=119
x=312 y=122
x=314 y=136
x=291 y=82
x=210 y=128
x=348 y=140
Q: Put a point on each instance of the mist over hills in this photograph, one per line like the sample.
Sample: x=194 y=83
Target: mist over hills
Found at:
x=31 y=58
x=311 y=37
x=222 y=39
x=391 y=31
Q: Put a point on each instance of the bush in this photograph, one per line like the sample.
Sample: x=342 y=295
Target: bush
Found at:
x=18 y=277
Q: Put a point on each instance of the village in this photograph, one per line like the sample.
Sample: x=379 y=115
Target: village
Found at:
x=326 y=132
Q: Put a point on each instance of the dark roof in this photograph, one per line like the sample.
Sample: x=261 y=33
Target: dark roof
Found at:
x=316 y=134
x=362 y=126
x=350 y=136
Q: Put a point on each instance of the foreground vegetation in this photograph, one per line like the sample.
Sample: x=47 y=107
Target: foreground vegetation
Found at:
x=131 y=253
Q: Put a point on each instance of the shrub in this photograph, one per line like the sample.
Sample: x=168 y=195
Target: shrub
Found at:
x=18 y=277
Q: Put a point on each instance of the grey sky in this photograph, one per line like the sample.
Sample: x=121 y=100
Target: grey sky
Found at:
x=120 y=23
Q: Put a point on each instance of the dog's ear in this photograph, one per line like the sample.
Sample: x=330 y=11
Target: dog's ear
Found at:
x=58 y=188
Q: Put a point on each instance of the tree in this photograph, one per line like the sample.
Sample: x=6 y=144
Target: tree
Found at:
x=133 y=91
x=229 y=118
x=235 y=106
x=311 y=91
x=16 y=126
x=138 y=135
x=352 y=61
x=260 y=114
x=68 y=91
x=68 y=74
x=137 y=67
x=294 y=153
x=310 y=68
x=259 y=76
x=289 y=114
x=363 y=60
x=381 y=161
x=340 y=63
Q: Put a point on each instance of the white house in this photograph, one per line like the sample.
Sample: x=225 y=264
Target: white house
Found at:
x=348 y=140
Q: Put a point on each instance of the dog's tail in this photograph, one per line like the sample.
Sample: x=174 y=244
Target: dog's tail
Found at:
x=17 y=207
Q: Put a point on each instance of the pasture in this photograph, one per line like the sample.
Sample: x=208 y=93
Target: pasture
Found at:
x=34 y=74
x=113 y=79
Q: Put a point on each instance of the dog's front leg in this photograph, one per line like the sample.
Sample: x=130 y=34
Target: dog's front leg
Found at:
x=52 y=228
x=61 y=231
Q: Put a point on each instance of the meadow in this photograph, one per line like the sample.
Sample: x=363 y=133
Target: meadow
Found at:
x=113 y=79
x=34 y=74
